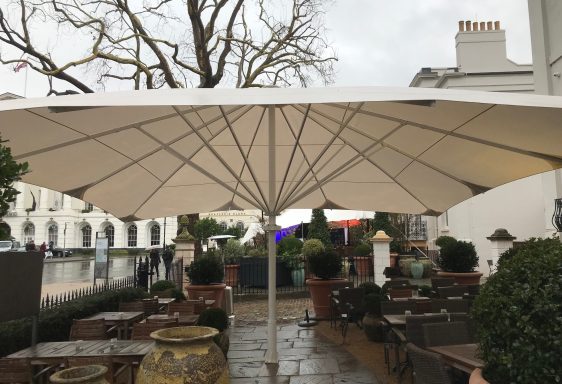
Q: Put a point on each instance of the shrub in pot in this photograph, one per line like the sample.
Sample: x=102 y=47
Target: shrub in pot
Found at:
x=216 y=318
x=232 y=252
x=372 y=320
x=162 y=288
x=295 y=264
x=362 y=254
x=458 y=259
x=325 y=265
x=517 y=316
x=206 y=274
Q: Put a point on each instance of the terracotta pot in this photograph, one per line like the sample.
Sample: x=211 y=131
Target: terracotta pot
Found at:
x=320 y=294
x=393 y=258
x=361 y=265
x=184 y=355
x=87 y=374
x=477 y=378
x=466 y=278
x=231 y=274
x=208 y=292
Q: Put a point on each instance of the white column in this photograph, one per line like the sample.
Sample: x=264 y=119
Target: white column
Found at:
x=501 y=241
x=381 y=251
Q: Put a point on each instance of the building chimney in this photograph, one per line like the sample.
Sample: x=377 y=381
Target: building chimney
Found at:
x=497 y=25
x=482 y=26
x=468 y=26
x=461 y=26
x=490 y=25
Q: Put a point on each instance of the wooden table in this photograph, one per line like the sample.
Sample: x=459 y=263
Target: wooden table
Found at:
x=123 y=319
x=460 y=356
x=182 y=320
x=163 y=303
x=57 y=352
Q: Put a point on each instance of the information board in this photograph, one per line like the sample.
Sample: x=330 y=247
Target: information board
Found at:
x=101 y=265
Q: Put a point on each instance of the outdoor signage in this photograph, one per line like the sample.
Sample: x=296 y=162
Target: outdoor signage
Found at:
x=101 y=265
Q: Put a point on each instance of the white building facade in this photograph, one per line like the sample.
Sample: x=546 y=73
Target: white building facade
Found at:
x=524 y=207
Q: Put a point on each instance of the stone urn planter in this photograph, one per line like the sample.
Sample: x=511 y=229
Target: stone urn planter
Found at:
x=184 y=355
x=297 y=275
x=362 y=265
x=463 y=278
x=87 y=374
x=416 y=267
x=208 y=292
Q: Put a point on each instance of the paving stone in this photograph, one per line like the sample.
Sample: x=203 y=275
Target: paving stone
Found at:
x=247 y=360
x=261 y=380
x=245 y=347
x=357 y=377
x=318 y=366
x=312 y=379
x=255 y=336
x=284 y=368
x=250 y=369
x=296 y=351
x=280 y=345
x=243 y=354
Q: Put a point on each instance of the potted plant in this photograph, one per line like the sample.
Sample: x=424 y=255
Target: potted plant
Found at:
x=217 y=318
x=361 y=257
x=294 y=262
x=372 y=307
x=325 y=265
x=232 y=252
x=206 y=276
x=517 y=316
x=166 y=288
x=458 y=259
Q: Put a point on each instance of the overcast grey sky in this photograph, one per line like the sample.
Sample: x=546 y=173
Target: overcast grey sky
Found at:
x=381 y=42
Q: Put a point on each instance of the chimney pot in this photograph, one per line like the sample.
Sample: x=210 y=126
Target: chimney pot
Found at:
x=497 y=25
x=468 y=26
x=475 y=26
x=461 y=26
x=482 y=26
x=490 y=25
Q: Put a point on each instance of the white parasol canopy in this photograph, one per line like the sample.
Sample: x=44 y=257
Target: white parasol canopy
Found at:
x=146 y=154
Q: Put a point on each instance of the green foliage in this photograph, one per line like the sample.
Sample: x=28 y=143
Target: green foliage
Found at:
x=292 y=261
x=177 y=294
x=162 y=285
x=425 y=290
x=257 y=252
x=325 y=265
x=372 y=303
x=370 y=287
x=214 y=318
x=443 y=241
x=290 y=245
x=206 y=269
x=10 y=171
x=312 y=247
x=458 y=256
x=233 y=231
x=318 y=228
x=387 y=222
x=356 y=234
x=381 y=222
x=205 y=228
x=233 y=251
x=507 y=255
x=362 y=249
x=518 y=316
x=54 y=324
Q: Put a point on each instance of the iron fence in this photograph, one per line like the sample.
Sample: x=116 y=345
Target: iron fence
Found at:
x=51 y=301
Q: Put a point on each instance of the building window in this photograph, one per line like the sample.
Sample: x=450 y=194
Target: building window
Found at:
x=155 y=234
x=86 y=236
x=223 y=226
x=110 y=234
x=28 y=233
x=240 y=226
x=88 y=207
x=132 y=236
x=53 y=234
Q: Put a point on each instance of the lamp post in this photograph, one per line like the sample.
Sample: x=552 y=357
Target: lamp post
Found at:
x=557 y=216
x=64 y=241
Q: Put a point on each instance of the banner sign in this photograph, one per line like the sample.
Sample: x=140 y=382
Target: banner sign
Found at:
x=101 y=265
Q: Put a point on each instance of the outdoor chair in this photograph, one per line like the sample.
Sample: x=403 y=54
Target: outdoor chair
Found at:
x=421 y=306
x=150 y=306
x=428 y=367
x=447 y=333
x=390 y=339
x=15 y=371
x=396 y=307
x=437 y=282
x=464 y=317
x=450 y=305
x=452 y=291
x=414 y=331
x=349 y=304
x=403 y=291
x=117 y=373
x=142 y=331
x=185 y=308
x=89 y=330
x=131 y=306
x=334 y=292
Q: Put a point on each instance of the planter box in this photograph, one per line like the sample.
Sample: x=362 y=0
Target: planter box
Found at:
x=467 y=278
x=254 y=273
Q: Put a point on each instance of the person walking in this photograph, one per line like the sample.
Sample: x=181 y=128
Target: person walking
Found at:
x=167 y=257
x=154 y=261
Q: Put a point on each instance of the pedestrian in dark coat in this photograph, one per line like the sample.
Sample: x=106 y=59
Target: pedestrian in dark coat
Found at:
x=154 y=261
x=167 y=257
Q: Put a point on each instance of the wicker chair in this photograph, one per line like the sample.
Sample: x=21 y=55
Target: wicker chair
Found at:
x=390 y=339
x=349 y=304
x=403 y=291
x=421 y=306
x=131 y=306
x=142 y=331
x=185 y=308
x=117 y=373
x=448 y=333
x=437 y=282
x=150 y=306
x=396 y=307
x=429 y=367
x=452 y=291
x=15 y=371
x=471 y=326
x=335 y=288
x=414 y=331
x=88 y=330
x=451 y=305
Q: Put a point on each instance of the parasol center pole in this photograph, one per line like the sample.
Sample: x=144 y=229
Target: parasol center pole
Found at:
x=271 y=228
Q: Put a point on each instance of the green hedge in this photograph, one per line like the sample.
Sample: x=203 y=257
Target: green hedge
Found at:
x=54 y=324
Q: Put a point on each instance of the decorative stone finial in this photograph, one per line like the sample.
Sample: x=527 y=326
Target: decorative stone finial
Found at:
x=501 y=234
x=380 y=236
x=184 y=234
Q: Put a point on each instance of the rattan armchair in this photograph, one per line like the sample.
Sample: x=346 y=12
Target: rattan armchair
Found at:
x=452 y=291
x=428 y=367
x=89 y=330
x=450 y=305
x=448 y=333
x=142 y=331
x=349 y=304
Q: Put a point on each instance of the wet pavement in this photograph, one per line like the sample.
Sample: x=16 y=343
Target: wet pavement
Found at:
x=81 y=269
x=305 y=357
